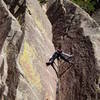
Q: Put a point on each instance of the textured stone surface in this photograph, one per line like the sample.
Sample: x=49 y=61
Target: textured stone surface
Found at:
x=25 y=46
x=96 y=16
x=79 y=35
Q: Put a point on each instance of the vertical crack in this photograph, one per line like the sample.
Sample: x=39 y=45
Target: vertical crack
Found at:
x=18 y=9
x=76 y=83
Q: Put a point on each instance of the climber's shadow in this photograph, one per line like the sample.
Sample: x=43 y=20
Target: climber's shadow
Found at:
x=69 y=66
x=59 y=75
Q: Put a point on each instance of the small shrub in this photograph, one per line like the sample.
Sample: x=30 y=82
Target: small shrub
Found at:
x=87 y=5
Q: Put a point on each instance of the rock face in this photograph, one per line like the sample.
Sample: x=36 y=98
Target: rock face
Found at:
x=25 y=46
x=78 y=34
x=96 y=16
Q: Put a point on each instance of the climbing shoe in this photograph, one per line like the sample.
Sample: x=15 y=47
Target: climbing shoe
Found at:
x=48 y=63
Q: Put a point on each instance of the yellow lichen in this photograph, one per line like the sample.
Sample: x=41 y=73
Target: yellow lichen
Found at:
x=39 y=24
x=26 y=59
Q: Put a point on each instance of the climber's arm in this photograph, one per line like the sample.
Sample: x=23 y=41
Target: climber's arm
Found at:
x=67 y=55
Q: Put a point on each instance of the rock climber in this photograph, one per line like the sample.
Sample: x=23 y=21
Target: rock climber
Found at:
x=59 y=54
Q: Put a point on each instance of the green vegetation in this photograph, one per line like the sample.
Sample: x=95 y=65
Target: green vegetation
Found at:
x=87 y=5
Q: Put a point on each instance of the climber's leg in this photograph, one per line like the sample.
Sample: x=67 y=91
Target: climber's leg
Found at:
x=51 y=60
